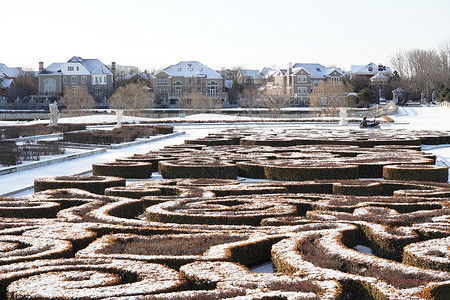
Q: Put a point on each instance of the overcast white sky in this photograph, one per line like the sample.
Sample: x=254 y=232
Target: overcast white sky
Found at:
x=154 y=34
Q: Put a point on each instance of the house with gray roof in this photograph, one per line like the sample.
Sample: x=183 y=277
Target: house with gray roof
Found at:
x=8 y=77
x=182 y=81
x=369 y=70
x=92 y=74
x=254 y=78
x=299 y=80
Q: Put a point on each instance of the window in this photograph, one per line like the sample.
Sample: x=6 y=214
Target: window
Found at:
x=70 y=68
x=49 y=86
x=212 y=88
x=201 y=69
x=302 y=78
x=98 y=90
x=335 y=79
x=199 y=80
x=83 y=79
x=100 y=80
x=318 y=70
x=64 y=79
x=178 y=87
x=78 y=68
x=73 y=80
x=162 y=91
x=302 y=90
x=162 y=80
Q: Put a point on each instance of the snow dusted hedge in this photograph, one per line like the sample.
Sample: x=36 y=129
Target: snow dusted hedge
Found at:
x=94 y=184
x=145 y=158
x=13 y=207
x=416 y=172
x=324 y=254
x=86 y=279
x=22 y=248
x=197 y=168
x=225 y=210
x=177 y=250
x=432 y=254
x=136 y=170
x=228 y=275
x=301 y=171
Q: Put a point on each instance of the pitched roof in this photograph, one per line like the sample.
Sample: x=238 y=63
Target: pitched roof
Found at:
x=94 y=66
x=315 y=70
x=5 y=83
x=191 y=69
x=9 y=72
x=369 y=69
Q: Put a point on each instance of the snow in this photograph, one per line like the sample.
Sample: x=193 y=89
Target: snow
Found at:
x=414 y=118
x=363 y=249
x=264 y=268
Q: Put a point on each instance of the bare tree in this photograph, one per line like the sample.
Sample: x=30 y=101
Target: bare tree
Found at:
x=132 y=98
x=27 y=83
x=330 y=96
x=199 y=102
x=251 y=98
x=77 y=100
x=275 y=102
x=424 y=71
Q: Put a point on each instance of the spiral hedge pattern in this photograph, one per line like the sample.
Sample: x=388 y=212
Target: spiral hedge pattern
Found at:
x=315 y=204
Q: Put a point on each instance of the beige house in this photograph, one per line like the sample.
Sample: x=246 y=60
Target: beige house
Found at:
x=180 y=83
x=298 y=81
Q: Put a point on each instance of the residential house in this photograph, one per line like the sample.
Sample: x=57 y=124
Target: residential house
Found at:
x=178 y=82
x=92 y=74
x=8 y=78
x=378 y=76
x=369 y=70
x=255 y=78
x=299 y=80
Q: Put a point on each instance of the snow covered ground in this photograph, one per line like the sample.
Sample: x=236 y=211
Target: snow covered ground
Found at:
x=415 y=118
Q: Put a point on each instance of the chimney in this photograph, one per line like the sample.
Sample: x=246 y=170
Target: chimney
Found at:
x=41 y=66
x=288 y=74
x=113 y=70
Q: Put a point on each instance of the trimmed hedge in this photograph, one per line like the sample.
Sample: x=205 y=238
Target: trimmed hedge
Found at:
x=416 y=172
x=87 y=279
x=225 y=210
x=197 y=168
x=134 y=170
x=93 y=184
x=310 y=171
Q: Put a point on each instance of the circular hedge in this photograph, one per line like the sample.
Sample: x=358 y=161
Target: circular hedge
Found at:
x=221 y=211
x=12 y=207
x=93 y=184
x=416 y=172
x=197 y=168
x=22 y=248
x=134 y=170
x=87 y=279
x=291 y=170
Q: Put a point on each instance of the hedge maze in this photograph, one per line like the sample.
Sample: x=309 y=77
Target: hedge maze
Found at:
x=305 y=201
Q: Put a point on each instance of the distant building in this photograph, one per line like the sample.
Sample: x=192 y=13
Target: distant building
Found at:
x=298 y=81
x=378 y=76
x=8 y=78
x=92 y=74
x=369 y=70
x=179 y=81
x=255 y=78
